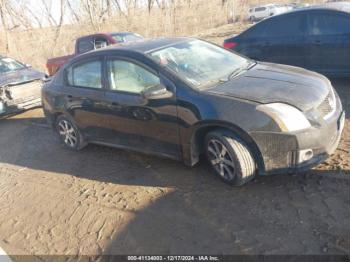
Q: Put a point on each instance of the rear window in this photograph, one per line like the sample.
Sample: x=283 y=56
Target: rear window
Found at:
x=255 y=31
x=259 y=9
x=85 y=45
x=329 y=24
x=100 y=43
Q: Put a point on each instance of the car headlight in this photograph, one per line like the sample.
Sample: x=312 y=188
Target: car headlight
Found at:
x=287 y=117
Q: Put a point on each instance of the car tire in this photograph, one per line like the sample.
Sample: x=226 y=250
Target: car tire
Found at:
x=230 y=157
x=69 y=134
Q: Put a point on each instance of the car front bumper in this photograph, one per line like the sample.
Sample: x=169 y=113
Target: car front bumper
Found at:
x=8 y=107
x=281 y=152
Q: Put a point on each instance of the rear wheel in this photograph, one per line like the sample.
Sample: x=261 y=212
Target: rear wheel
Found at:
x=230 y=157
x=69 y=134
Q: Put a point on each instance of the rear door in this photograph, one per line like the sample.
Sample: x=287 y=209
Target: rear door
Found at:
x=85 y=97
x=328 y=42
x=278 y=39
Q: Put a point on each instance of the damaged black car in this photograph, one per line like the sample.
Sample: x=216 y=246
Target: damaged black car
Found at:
x=183 y=97
x=20 y=86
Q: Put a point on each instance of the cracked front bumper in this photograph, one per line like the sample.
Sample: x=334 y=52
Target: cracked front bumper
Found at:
x=281 y=151
x=10 y=108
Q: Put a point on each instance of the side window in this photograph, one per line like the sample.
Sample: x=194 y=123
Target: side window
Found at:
x=328 y=24
x=87 y=74
x=100 y=43
x=85 y=45
x=291 y=25
x=129 y=77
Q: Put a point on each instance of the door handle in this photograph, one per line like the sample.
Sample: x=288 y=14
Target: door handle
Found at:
x=317 y=42
x=69 y=96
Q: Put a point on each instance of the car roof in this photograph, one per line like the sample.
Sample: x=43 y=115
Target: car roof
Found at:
x=106 y=34
x=120 y=33
x=337 y=6
x=147 y=45
x=266 y=5
x=332 y=6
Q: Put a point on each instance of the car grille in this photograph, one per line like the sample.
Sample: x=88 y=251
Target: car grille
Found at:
x=327 y=107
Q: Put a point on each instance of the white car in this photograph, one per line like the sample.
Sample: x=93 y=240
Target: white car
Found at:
x=262 y=12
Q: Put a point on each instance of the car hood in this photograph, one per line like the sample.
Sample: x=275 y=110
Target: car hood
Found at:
x=20 y=76
x=270 y=83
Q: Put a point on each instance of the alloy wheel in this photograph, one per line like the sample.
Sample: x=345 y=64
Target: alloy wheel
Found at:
x=68 y=133
x=220 y=159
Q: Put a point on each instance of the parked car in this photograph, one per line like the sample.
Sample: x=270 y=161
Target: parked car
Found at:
x=261 y=12
x=296 y=5
x=88 y=43
x=316 y=38
x=183 y=97
x=20 y=86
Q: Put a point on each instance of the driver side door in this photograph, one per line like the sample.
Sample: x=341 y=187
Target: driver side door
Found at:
x=136 y=122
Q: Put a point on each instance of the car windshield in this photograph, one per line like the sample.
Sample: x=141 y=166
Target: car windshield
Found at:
x=200 y=63
x=120 y=38
x=9 y=64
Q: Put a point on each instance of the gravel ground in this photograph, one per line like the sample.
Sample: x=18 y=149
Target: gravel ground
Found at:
x=109 y=201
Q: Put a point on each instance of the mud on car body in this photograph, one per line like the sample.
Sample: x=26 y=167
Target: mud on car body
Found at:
x=183 y=97
x=20 y=86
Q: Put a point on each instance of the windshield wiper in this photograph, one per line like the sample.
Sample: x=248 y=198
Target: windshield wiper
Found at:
x=234 y=73
x=239 y=70
x=231 y=75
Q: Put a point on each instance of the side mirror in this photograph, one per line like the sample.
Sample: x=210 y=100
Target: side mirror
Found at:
x=156 y=92
x=47 y=78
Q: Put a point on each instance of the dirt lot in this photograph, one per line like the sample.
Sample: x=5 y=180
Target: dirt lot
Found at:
x=104 y=200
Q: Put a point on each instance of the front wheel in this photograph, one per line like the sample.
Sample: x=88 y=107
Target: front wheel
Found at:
x=230 y=157
x=69 y=134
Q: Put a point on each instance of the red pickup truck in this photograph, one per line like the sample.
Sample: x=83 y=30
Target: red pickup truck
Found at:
x=90 y=42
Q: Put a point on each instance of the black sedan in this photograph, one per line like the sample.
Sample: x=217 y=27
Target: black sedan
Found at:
x=20 y=86
x=316 y=38
x=183 y=97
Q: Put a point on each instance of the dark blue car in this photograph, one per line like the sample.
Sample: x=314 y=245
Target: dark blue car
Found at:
x=316 y=38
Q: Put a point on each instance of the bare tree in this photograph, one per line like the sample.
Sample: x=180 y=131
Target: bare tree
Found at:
x=4 y=25
x=60 y=23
